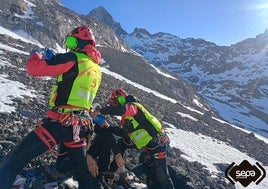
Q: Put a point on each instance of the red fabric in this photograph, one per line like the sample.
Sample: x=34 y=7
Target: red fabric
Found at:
x=46 y=137
x=131 y=110
x=117 y=92
x=55 y=115
x=82 y=142
x=66 y=119
x=92 y=52
x=160 y=155
x=36 y=66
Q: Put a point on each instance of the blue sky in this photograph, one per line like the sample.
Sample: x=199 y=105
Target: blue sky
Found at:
x=223 y=22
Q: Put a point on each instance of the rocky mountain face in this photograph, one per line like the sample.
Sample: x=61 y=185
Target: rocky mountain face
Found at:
x=233 y=79
x=46 y=23
x=102 y=15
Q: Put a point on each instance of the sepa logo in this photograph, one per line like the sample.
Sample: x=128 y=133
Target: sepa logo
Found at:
x=245 y=173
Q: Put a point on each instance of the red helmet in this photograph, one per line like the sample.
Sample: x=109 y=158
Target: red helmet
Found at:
x=113 y=97
x=84 y=33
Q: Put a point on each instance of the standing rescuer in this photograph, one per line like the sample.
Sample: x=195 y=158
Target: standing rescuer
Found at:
x=144 y=131
x=78 y=80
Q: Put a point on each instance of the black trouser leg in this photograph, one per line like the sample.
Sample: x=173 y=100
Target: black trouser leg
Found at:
x=157 y=172
x=30 y=147
x=80 y=169
x=63 y=163
x=161 y=178
x=104 y=154
x=100 y=150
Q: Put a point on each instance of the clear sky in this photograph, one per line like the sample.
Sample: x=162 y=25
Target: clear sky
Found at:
x=223 y=22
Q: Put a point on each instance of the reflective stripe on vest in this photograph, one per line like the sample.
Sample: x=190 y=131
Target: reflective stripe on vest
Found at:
x=84 y=85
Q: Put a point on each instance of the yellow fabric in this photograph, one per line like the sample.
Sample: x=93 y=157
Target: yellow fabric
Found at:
x=85 y=85
x=140 y=137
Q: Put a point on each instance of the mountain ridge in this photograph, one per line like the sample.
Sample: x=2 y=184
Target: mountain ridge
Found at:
x=223 y=75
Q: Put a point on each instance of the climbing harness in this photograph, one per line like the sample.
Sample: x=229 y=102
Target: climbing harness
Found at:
x=76 y=119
